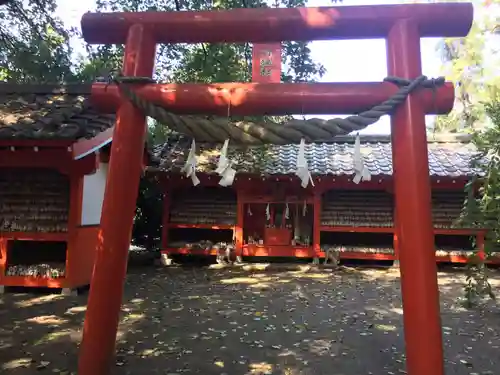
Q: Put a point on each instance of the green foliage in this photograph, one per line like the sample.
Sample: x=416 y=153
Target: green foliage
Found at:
x=477 y=285
x=34 y=45
x=482 y=205
x=100 y=61
x=472 y=62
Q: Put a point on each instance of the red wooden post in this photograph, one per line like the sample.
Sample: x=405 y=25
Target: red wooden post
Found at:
x=424 y=350
x=481 y=253
x=238 y=229
x=395 y=241
x=317 y=222
x=165 y=219
x=101 y=320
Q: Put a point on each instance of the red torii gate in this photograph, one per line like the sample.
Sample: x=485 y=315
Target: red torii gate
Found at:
x=401 y=25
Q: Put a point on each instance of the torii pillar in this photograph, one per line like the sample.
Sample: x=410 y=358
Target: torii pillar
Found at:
x=120 y=197
x=414 y=227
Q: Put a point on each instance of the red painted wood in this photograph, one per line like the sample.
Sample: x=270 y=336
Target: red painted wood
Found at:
x=249 y=184
x=56 y=158
x=85 y=146
x=240 y=222
x=269 y=98
x=326 y=228
x=366 y=256
x=317 y=223
x=457 y=231
x=266 y=63
x=480 y=245
x=309 y=252
x=424 y=349
x=277 y=237
x=40 y=143
x=34 y=236
x=462 y=259
x=272 y=199
x=81 y=255
x=125 y=167
x=35 y=282
x=81 y=242
x=201 y=226
x=188 y=251
x=165 y=216
x=344 y=229
x=263 y=25
x=279 y=251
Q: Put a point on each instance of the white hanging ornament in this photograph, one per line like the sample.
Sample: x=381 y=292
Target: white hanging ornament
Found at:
x=287 y=212
x=249 y=211
x=302 y=169
x=224 y=167
x=190 y=166
x=268 y=213
x=361 y=172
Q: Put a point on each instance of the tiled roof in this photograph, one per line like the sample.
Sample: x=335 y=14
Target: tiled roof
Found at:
x=49 y=112
x=449 y=156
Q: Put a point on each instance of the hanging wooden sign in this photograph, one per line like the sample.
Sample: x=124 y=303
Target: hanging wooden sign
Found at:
x=266 y=63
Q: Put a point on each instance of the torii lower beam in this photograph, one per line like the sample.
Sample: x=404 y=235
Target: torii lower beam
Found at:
x=247 y=99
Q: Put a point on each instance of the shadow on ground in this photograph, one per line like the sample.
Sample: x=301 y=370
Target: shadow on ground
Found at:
x=234 y=322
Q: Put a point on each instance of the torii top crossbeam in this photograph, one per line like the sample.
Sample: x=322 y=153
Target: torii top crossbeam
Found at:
x=264 y=25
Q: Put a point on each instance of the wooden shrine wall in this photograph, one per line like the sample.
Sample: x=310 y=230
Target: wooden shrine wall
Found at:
x=41 y=241
x=33 y=200
x=375 y=208
x=446 y=207
x=206 y=205
x=357 y=208
x=358 y=221
x=199 y=219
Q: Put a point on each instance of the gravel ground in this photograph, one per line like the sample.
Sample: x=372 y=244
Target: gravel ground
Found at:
x=234 y=322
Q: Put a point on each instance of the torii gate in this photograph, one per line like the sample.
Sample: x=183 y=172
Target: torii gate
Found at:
x=401 y=25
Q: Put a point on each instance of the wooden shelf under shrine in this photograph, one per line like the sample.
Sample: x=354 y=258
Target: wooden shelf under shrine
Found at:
x=254 y=250
x=37 y=259
x=454 y=244
x=33 y=200
x=357 y=208
x=356 y=245
x=204 y=206
x=204 y=241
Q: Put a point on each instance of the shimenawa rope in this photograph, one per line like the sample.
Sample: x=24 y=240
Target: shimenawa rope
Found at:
x=250 y=133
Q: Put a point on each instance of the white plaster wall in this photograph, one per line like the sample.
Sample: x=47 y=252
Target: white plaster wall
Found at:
x=93 y=195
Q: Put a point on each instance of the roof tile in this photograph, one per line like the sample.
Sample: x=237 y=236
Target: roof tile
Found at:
x=49 y=112
x=447 y=158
